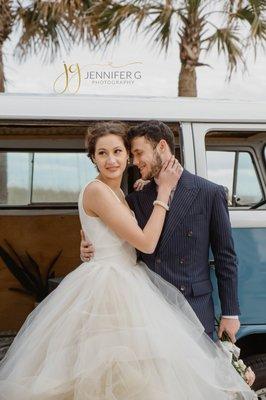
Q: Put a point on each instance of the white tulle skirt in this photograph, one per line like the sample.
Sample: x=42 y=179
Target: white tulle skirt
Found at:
x=116 y=332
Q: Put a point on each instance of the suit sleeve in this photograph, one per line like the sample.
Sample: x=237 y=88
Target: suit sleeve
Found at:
x=225 y=259
x=130 y=201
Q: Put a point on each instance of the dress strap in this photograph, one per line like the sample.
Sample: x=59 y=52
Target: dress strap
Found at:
x=98 y=180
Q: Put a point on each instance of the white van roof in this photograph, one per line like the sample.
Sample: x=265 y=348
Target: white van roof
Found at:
x=131 y=108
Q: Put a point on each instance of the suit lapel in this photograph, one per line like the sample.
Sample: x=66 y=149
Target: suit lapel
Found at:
x=184 y=196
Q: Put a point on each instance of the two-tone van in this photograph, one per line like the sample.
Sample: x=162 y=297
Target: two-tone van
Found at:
x=43 y=166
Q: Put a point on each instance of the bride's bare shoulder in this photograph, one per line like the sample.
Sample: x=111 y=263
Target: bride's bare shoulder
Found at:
x=97 y=191
x=94 y=188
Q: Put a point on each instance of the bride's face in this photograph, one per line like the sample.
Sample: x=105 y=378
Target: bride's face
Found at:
x=111 y=156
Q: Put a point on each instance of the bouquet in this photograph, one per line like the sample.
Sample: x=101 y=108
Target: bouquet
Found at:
x=233 y=353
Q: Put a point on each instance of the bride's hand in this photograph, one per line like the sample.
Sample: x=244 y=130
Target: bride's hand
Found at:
x=170 y=174
x=250 y=376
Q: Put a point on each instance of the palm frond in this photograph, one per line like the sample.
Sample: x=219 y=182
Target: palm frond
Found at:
x=161 y=24
x=7 y=15
x=227 y=41
x=254 y=14
x=194 y=6
x=49 y=27
x=107 y=18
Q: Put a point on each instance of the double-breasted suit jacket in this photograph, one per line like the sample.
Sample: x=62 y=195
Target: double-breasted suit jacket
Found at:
x=197 y=220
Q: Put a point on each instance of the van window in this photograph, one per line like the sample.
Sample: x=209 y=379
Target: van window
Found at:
x=235 y=170
x=220 y=168
x=234 y=159
x=30 y=178
x=248 y=190
x=42 y=163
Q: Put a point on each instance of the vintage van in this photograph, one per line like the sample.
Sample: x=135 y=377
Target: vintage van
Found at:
x=43 y=166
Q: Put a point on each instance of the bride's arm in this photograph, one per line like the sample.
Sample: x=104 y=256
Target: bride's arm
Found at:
x=98 y=199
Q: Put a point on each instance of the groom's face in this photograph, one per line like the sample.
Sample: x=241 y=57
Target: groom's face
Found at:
x=146 y=157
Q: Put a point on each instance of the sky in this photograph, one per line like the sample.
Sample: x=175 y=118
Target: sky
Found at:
x=158 y=71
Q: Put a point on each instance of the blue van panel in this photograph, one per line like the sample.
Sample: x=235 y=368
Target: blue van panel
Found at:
x=250 y=246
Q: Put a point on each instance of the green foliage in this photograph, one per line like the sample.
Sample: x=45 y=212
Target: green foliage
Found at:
x=28 y=272
x=230 y=27
x=228 y=42
x=47 y=27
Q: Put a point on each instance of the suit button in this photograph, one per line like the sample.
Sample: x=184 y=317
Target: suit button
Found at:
x=158 y=260
x=182 y=288
x=182 y=261
x=189 y=233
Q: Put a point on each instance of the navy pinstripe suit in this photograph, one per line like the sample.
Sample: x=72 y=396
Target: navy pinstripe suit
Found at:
x=198 y=218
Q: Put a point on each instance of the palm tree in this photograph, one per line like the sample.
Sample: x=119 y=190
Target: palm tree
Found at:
x=6 y=22
x=231 y=27
x=45 y=28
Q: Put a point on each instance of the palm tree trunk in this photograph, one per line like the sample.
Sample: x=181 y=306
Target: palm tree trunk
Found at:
x=6 y=22
x=187 y=82
x=189 y=52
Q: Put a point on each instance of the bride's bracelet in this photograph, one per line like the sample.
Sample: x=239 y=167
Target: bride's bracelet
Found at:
x=162 y=204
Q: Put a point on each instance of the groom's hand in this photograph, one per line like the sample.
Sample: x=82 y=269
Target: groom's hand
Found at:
x=139 y=184
x=86 y=248
x=230 y=326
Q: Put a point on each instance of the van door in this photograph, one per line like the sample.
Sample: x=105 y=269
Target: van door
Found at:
x=233 y=155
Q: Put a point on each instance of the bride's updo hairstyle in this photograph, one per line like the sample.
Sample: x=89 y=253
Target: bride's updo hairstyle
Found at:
x=103 y=129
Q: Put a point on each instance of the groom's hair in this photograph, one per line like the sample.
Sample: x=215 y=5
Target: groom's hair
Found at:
x=154 y=131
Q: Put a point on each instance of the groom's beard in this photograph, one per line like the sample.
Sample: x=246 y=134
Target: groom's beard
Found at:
x=156 y=166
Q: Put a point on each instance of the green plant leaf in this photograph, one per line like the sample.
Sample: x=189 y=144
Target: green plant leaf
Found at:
x=52 y=263
x=17 y=271
x=13 y=289
x=36 y=269
x=26 y=267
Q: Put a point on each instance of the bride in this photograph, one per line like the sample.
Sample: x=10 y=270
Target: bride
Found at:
x=114 y=330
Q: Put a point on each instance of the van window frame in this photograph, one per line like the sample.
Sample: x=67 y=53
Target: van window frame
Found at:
x=41 y=205
x=201 y=129
x=23 y=145
x=240 y=149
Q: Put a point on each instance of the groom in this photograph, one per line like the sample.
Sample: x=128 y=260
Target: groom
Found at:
x=197 y=220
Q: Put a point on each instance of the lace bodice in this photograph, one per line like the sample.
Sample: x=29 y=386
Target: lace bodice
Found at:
x=106 y=243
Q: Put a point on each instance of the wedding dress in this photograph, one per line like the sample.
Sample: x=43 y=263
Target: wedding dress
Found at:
x=114 y=330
